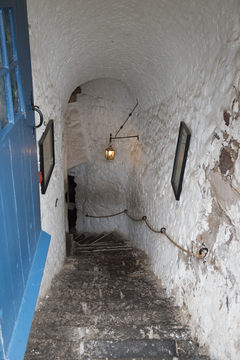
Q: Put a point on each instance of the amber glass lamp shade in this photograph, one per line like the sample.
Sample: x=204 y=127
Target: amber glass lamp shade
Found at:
x=109 y=153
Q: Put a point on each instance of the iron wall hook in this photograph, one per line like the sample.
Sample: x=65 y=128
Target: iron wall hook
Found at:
x=36 y=108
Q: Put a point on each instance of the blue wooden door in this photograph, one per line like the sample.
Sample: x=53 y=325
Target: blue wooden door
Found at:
x=20 y=226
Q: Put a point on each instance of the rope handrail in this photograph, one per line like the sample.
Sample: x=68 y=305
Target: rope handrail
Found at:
x=200 y=255
x=105 y=216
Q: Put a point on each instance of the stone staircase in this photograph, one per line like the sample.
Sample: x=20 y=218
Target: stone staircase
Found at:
x=106 y=303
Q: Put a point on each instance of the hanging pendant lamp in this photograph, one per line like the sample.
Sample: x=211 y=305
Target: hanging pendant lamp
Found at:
x=109 y=152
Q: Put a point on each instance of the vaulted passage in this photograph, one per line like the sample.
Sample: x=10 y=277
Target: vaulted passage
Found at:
x=106 y=303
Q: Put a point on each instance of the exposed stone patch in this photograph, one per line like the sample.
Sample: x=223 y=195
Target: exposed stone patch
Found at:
x=225 y=161
x=215 y=219
x=235 y=146
x=226 y=117
x=222 y=192
x=235 y=103
x=225 y=135
x=228 y=156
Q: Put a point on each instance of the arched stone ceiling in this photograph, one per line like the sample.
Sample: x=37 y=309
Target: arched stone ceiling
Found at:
x=150 y=45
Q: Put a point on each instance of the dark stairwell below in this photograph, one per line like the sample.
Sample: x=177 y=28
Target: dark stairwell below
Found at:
x=106 y=303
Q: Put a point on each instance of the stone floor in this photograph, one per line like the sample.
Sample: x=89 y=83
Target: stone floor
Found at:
x=107 y=304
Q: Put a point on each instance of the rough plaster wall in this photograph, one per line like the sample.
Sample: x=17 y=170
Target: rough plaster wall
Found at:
x=102 y=186
x=208 y=210
x=180 y=58
x=48 y=96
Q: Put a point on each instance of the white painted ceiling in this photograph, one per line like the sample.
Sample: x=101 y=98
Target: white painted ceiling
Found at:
x=148 y=44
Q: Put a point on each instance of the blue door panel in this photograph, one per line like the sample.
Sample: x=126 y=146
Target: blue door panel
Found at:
x=20 y=223
x=2 y=352
x=30 y=235
x=10 y=220
x=19 y=220
x=18 y=183
x=33 y=224
x=7 y=302
x=31 y=187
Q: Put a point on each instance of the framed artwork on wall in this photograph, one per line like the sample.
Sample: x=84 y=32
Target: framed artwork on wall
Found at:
x=47 y=155
x=183 y=142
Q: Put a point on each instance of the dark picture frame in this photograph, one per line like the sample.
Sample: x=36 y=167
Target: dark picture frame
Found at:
x=183 y=142
x=47 y=155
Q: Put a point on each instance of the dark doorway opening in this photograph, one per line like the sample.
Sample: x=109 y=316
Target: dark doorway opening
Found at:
x=72 y=210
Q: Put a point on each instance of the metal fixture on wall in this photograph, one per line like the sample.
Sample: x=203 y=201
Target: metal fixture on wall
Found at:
x=109 y=151
x=36 y=108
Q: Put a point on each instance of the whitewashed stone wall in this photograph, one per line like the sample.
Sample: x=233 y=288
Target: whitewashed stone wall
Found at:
x=181 y=59
x=208 y=211
x=49 y=97
x=102 y=186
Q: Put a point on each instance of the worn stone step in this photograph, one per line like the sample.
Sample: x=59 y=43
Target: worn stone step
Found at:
x=104 y=250
x=92 y=288
x=96 y=272
x=97 y=238
x=100 y=245
x=101 y=299
x=109 y=295
x=113 y=308
x=129 y=349
x=83 y=335
x=157 y=331
x=121 y=332
x=135 y=287
x=93 y=270
x=115 y=257
x=51 y=349
x=87 y=238
x=195 y=357
x=104 y=237
x=98 y=277
x=107 y=244
x=99 y=294
x=79 y=237
x=95 y=244
x=137 y=317
x=127 y=260
x=112 y=269
x=94 y=291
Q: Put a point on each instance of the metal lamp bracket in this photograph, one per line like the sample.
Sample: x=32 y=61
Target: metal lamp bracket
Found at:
x=122 y=137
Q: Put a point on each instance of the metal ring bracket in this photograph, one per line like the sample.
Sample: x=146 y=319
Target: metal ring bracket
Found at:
x=36 y=108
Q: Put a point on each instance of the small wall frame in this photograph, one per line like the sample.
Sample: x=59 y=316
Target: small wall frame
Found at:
x=183 y=142
x=47 y=155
